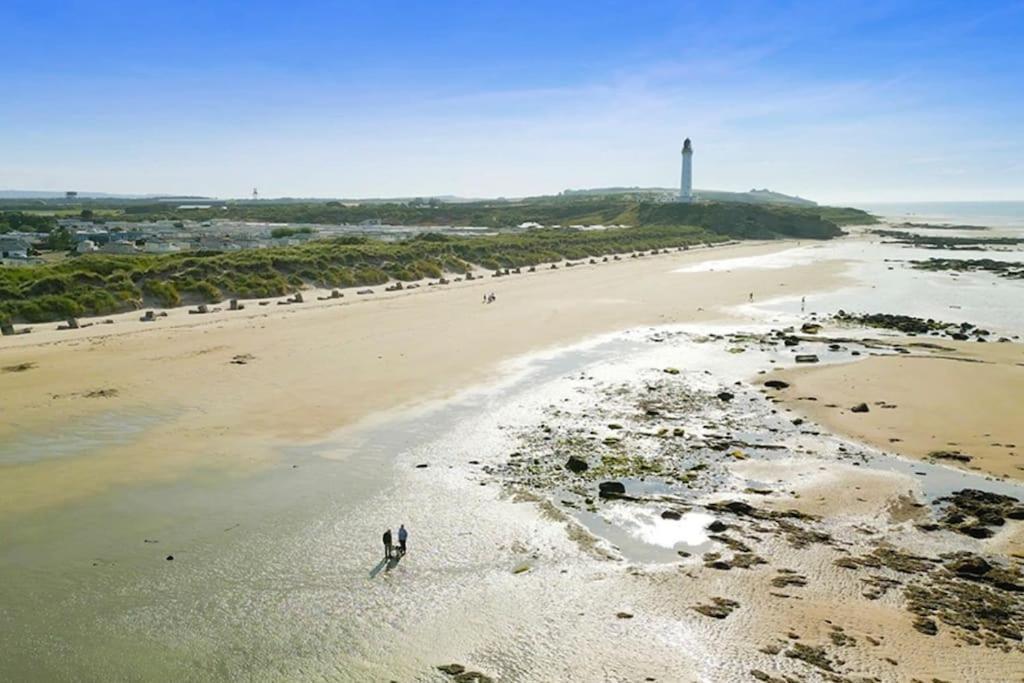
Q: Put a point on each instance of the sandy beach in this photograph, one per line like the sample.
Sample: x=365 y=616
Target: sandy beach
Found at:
x=314 y=369
x=959 y=404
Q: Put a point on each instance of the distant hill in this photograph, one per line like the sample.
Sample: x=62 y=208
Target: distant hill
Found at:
x=755 y=196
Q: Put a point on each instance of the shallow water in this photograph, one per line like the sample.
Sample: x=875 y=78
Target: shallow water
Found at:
x=80 y=436
x=886 y=284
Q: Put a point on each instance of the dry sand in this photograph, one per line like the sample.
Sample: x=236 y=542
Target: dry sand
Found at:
x=965 y=398
x=313 y=368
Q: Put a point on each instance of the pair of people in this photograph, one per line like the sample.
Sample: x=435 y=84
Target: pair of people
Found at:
x=389 y=548
x=489 y=298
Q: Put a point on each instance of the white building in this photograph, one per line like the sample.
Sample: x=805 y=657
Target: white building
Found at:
x=158 y=247
x=86 y=247
x=686 y=180
x=14 y=248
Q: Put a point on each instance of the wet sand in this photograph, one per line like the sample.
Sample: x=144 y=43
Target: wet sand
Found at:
x=233 y=387
x=963 y=399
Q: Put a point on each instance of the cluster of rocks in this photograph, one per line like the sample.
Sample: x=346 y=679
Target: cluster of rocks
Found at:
x=1012 y=270
x=791 y=524
x=630 y=434
x=460 y=674
x=913 y=326
x=980 y=601
x=975 y=513
x=947 y=242
x=719 y=608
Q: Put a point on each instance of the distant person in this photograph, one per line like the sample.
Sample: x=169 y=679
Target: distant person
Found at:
x=751 y=297
x=387 y=544
x=486 y=301
x=803 y=304
x=403 y=536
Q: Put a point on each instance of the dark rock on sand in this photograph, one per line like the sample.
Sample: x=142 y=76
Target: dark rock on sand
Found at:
x=576 y=464
x=451 y=669
x=926 y=626
x=725 y=396
x=671 y=514
x=972 y=511
x=950 y=455
x=717 y=526
x=860 y=408
x=719 y=608
x=776 y=384
x=611 y=488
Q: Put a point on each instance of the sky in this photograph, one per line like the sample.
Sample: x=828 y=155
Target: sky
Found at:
x=835 y=101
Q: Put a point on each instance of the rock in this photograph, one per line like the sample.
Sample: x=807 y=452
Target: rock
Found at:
x=725 y=396
x=451 y=669
x=806 y=358
x=719 y=608
x=926 y=626
x=776 y=384
x=472 y=677
x=860 y=408
x=737 y=507
x=975 y=531
x=717 y=526
x=670 y=514
x=611 y=488
x=422 y=466
x=170 y=557
x=815 y=656
x=810 y=328
x=576 y=464
x=969 y=566
x=624 y=615
x=950 y=455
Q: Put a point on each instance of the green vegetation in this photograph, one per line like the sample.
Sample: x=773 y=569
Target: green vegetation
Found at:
x=11 y=221
x=733 y=219
x=102 y=284
x=277 y=233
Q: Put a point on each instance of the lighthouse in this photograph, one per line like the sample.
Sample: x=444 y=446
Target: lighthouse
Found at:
x=686 y=181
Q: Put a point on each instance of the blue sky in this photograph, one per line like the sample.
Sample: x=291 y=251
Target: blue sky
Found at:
x=836 y=101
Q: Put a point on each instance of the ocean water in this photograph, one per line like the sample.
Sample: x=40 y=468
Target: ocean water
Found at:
x=1005 y=216
x=885 y=282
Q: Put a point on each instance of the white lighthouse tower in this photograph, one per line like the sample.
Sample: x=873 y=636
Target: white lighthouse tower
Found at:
x=686 y=182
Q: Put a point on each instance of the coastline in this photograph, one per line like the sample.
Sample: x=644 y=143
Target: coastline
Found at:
x=231 y=388
x=268 y=482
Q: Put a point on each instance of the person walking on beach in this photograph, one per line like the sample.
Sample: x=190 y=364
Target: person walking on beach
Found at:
x=803 y=304
x=751 y=297
x=403 y=536
x=387 y=544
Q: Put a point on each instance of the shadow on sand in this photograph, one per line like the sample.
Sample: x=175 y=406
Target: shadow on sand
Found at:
x=386 y=564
